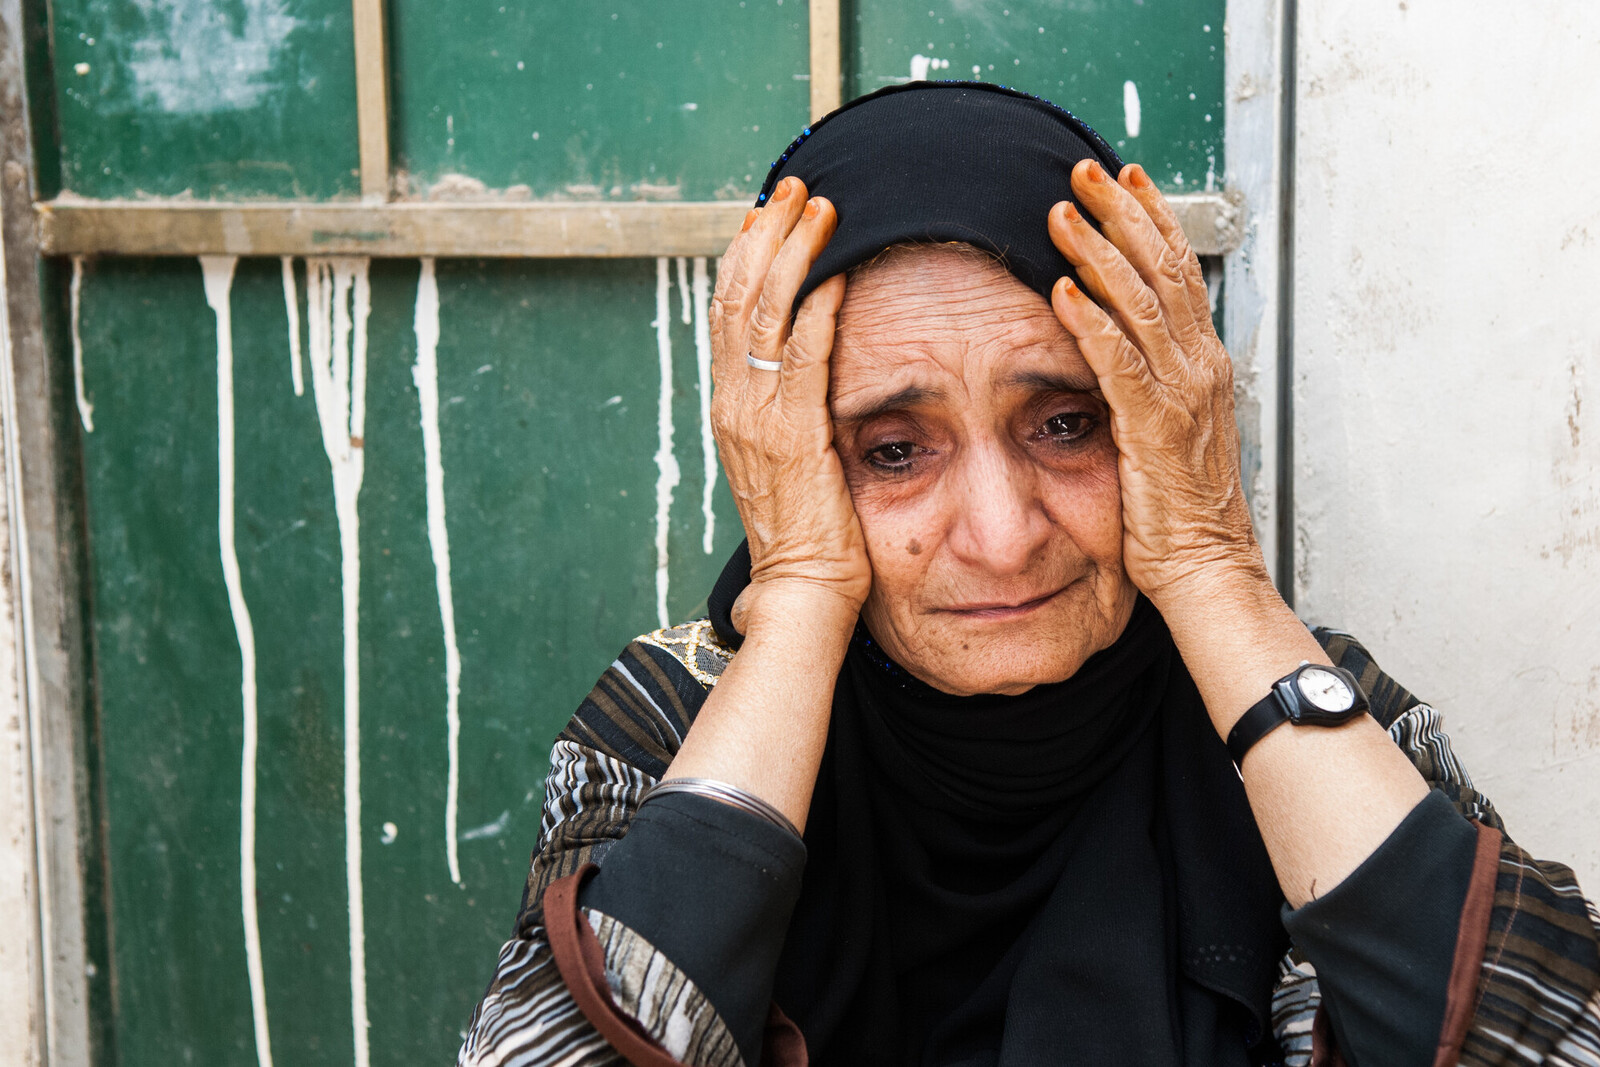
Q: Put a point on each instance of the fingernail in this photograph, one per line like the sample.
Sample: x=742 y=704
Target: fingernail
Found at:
x=749 y=220
x=1070 y=210
x=1096 y=172
x=811 y=211
x=1138 y=178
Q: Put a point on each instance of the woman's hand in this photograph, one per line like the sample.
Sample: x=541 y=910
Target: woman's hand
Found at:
x=772 y=427
x=765 y=725
x=1148 y=336
x=1187 y=541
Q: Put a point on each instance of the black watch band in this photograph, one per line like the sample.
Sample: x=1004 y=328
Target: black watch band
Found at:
x=1312 y=694
x=1264 y=716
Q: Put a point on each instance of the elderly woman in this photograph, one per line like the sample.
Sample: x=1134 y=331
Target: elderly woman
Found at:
x=1021 y=759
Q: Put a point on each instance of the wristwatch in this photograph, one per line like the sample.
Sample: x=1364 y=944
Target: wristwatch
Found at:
x=1310 y=695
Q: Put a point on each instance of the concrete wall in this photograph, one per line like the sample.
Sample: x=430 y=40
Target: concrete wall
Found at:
x=20 y=960
x=19 y=917
x=1447 y=378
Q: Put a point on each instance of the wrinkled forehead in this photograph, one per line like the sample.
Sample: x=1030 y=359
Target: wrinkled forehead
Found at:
x=950 y=320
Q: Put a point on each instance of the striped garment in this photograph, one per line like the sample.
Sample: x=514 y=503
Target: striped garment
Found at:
x=1537 y=995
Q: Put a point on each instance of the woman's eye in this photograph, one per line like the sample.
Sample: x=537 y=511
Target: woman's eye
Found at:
x=1069 y=425
x=896 y=455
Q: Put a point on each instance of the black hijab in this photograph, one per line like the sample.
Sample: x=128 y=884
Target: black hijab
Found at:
x=942 y=161
x=1068 y=876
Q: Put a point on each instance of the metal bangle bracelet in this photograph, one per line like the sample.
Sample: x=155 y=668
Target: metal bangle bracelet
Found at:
x=721 y=791
x=763 y=364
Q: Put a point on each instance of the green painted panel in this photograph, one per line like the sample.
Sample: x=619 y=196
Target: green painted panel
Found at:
x=168 y=669
x=1079 y=54
x=549 y=390
x=216 y=98
x=617 y=100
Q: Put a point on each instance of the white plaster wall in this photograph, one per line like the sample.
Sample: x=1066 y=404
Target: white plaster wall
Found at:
x=19 y=919
x=19 y=915
x=1447 y=378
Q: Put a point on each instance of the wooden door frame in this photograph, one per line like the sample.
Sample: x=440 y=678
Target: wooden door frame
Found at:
x=1258 y=146
x=46 y=594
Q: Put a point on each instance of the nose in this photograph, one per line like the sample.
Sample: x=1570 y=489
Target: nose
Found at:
x=1000 y=525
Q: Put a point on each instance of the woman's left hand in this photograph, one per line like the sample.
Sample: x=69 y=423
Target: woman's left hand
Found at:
x=1148 y=336
x=1187 y=540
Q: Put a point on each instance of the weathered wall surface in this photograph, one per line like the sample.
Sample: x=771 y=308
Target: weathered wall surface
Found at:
x=19 y=918
x=1447 y=366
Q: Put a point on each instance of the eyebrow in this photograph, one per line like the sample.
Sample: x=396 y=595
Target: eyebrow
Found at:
x=913 y=395
x=1054 y=382
x=909 y=397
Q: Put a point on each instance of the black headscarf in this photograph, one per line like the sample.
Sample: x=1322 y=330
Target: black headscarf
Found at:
x=1068 y=876
x=942 y=161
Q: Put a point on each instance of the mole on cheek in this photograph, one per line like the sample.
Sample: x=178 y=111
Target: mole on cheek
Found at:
x=914 y=546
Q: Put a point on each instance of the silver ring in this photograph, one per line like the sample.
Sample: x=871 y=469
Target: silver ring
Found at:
x=762 y=364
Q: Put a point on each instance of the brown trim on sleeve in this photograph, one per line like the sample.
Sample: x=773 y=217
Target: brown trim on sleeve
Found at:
x=582 y=964
x=1461 y=1002
x=1324 y=1048
x=783 y=1045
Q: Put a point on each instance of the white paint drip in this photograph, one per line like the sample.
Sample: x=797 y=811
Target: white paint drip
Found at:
x=1131 y=113
x=488 y=829
x=291 y=306
x=683 y=288
x=666 y=460
x=338 y=380
x=85 y=409
x=921 y=64
x=426 y=376
x=361 y=299
x=196 y=57
x=702 y=359
x=218 y=274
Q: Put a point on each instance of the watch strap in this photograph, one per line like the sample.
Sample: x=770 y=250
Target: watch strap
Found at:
x=1264 y=716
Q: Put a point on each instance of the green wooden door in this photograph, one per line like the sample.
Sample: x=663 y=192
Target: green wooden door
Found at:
x=455 y=488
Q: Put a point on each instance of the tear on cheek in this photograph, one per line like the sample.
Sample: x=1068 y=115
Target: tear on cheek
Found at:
x=914 y=547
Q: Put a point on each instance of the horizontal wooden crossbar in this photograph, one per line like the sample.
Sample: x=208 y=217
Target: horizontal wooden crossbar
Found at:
x=537 y=229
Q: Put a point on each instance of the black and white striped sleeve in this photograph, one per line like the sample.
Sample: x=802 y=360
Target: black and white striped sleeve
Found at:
x=616 y=746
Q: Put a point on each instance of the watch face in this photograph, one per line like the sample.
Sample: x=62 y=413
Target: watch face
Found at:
x=1325 y=690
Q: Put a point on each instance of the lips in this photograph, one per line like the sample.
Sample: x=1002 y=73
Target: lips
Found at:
x=1004 y=609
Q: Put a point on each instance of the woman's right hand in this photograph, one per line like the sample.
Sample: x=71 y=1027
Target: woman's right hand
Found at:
x=773 y=428
x=765 y=725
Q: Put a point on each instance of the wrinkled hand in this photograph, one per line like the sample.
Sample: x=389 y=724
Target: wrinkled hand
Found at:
x=1148 y=336
x=773 y=429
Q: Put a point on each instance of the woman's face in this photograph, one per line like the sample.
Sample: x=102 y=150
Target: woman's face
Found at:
x=982 y=469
